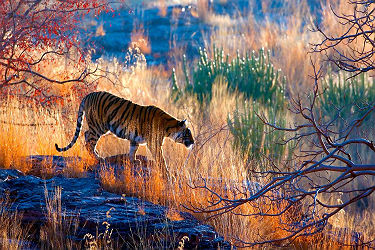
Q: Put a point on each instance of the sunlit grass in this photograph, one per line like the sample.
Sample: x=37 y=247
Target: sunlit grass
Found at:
x=33 y=130
x=213 y=157
x=13 y=234
x=30 y=129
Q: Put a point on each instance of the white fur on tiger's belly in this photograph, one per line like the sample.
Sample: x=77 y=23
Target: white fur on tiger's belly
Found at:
x=129 y=136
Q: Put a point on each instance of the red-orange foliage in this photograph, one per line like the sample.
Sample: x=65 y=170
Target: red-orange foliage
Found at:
x=34 y=31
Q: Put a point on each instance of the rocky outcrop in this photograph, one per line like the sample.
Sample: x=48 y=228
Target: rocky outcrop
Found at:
x=95 y=208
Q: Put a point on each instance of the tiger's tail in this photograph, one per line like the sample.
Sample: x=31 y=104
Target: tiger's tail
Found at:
x=78 y=128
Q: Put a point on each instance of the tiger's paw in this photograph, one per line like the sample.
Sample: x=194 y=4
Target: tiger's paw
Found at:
x=136 y=163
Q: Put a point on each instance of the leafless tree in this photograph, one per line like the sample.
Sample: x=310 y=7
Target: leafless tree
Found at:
x=353 y=49
x=323 y=169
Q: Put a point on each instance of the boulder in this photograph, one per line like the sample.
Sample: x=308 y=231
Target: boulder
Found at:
x=129 y=218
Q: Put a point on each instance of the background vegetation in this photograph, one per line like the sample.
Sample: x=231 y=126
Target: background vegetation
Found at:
x=218 y=93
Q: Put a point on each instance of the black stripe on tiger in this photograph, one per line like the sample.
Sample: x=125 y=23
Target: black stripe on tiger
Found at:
x=113 y=114
x=124 y=112
x=110 y=104
x=105 y=100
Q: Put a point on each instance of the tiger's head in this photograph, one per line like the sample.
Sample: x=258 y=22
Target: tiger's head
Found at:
x=181 y=134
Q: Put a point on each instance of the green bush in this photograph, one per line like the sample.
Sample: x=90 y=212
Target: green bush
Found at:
x=253 y=138
x=262 y=86
x=253 y=76
x=344 y=98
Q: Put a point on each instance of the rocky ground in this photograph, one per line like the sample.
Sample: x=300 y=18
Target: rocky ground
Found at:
x=128 y=218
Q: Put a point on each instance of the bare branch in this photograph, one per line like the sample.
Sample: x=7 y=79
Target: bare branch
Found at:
x=353 y=50
x=326 y=168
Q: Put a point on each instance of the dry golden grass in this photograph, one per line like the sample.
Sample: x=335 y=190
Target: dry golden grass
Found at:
x=13 y=234
x=31 y=129
x=100 y=30
x=212 y=158
x=289 y=42
x=140 y=40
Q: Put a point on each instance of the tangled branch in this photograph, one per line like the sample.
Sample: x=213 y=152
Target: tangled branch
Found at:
x=39 y=36
x=326 y=168
x=353 y=50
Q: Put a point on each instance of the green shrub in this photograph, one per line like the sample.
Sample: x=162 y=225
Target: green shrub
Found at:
x=253 y=138
x=262 y=86
x=344 y=98
x=253 y=76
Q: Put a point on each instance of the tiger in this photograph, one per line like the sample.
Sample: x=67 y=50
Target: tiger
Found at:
x=105 y=112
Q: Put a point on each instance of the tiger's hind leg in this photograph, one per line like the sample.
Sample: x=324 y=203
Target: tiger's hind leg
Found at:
x=91 y=138
x=133 y=150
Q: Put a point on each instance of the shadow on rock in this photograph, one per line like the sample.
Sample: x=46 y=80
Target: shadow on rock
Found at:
x=129 y=219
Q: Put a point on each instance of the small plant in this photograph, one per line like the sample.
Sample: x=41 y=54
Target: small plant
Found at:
x=56 y=232
x=344 y=97
x=181 y=243
x=253 y=138
x=253 y=76
x=101 y=240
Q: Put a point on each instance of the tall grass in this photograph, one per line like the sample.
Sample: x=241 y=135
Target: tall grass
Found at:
x=253 y=76
x=346 y=98
x=288 y=39
x=219 y=87
x=255 y=79
x=254 y=139
x=30 y=129
x=13 y=234
x=57 y=230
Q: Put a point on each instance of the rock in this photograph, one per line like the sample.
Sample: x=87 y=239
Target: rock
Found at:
x=181 y=24
x=84 y=198
x=141 y=167
x=56 y=163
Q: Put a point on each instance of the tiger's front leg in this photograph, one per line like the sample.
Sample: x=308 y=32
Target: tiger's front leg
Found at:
x=157 y=152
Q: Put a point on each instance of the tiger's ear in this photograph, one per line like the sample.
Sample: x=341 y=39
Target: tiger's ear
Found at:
x=182 y=123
